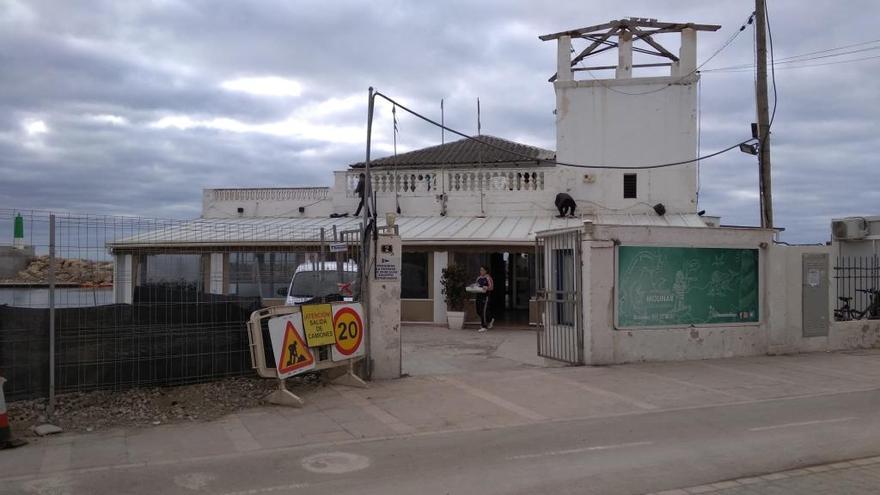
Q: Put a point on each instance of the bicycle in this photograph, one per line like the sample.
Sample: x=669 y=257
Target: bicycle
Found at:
x=847 y=313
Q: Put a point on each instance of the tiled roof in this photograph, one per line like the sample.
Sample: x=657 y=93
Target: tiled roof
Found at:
x=467 y=152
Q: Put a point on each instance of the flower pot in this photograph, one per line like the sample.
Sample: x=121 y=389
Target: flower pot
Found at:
x=455 y=319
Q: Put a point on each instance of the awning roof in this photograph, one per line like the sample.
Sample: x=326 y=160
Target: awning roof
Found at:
x=414 y=231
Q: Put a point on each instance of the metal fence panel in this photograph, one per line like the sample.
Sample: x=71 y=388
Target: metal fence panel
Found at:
x=141 y=301
x=560 y=280
x=857 y=281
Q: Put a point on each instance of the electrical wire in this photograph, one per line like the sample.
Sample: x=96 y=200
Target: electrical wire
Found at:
x=795 y=59
x=575 y=165
x=689 y=74
x=752 y=68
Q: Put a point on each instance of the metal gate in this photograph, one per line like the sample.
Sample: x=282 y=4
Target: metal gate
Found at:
x=559 y=283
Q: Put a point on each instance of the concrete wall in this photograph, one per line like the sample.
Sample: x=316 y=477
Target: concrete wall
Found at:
x=266 y=202
x=14 y=260
x=780 y=329
x=605 y=345
x=786 y=324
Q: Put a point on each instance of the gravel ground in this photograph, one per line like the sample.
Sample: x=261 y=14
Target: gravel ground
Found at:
x=93 y=411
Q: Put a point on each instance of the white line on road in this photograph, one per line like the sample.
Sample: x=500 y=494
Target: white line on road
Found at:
x=600 y=391
x=268 y=489
x=803 y=423
x=579 y=451
x=494 y=399
x=376 y=412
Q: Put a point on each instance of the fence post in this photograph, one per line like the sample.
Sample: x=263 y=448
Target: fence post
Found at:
x=51 y=406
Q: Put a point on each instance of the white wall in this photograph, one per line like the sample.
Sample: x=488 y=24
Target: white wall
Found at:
x=282 y=202
x=597 y=124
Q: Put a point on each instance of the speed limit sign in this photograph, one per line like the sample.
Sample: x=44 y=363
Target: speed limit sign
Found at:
x=349 y=329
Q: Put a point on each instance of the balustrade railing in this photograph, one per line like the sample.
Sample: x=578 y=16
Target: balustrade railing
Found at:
x=417 y=182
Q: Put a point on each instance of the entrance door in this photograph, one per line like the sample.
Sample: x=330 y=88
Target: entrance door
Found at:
x=560 y=330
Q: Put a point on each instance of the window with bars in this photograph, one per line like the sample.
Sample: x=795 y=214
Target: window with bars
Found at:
x=630 y=189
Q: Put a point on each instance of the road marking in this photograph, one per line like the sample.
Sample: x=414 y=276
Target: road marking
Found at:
x=494 y=399
x=375 y=411
x=599 y=391
x=803 y=423
x=747 y=373
x=696 y=386
x=827 y=372
x=56 y=457
x=239 y=435
x=268 y=489
x=335 y=463
x=579 y=451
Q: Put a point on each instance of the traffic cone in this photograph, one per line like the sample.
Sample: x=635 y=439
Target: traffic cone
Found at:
x=6 y=440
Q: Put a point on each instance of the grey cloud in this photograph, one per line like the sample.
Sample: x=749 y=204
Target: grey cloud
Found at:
x=146 y=60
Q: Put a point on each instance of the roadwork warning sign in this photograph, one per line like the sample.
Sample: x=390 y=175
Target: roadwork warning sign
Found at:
x=292 y=354
x=318 y=324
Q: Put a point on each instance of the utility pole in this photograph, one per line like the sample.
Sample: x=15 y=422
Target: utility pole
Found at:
x=763 y=115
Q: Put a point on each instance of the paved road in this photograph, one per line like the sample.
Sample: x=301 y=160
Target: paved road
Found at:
x=620 y=429
x=634 y=453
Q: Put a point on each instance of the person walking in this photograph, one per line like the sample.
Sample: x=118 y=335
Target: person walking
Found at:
x=485 y=282
x=361 y=190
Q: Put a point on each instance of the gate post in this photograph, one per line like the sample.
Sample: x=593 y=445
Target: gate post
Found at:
x=384 y=351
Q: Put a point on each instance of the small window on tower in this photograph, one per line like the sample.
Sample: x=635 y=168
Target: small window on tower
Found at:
x=629 y=186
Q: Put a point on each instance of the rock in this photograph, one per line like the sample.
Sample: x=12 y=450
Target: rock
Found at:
x=46 y=429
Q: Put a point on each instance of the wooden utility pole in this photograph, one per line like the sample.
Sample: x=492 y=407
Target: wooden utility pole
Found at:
x=763 y=115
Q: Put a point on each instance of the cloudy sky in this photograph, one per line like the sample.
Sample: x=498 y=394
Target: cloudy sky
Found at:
x=132 y=107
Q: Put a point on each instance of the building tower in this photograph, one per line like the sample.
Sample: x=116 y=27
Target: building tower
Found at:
x=628 y=120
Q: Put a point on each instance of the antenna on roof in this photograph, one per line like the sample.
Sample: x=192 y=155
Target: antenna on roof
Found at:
x=479 y=130
x=442 y=124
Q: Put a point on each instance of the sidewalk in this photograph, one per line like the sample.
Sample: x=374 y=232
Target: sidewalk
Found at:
x=483 y=400
x=857 y=477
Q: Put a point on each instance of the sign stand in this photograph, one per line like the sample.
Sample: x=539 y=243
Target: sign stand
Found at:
x=349 y=379
x=284 y=397
x=291 y=334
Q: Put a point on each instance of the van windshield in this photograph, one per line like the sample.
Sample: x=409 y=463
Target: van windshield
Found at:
x=317 y=284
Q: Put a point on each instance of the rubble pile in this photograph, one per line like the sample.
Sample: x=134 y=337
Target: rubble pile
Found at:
x=75 y=271
x=89 y=411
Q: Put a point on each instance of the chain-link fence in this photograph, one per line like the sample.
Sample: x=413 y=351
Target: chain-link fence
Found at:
x=128 y=301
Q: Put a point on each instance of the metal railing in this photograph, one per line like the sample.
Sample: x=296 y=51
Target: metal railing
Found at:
x=857 y=280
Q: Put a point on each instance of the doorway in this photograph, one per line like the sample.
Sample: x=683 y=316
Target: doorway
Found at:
x=513 y=274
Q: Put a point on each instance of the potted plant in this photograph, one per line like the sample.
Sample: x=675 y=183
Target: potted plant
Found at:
x=454 y=282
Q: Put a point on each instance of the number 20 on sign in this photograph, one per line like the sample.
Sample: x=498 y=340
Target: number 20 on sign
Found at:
x=348 y=327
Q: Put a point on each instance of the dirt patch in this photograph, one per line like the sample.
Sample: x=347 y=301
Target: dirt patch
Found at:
x=93 y=411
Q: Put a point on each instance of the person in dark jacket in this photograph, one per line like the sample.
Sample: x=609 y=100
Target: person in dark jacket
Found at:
x=361 y=190
x=565 y=204
x=485 y=281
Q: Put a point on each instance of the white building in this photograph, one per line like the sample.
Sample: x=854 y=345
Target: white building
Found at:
x=471 y=203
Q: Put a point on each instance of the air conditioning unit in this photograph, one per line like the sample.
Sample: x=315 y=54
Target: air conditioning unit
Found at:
x=849 y=228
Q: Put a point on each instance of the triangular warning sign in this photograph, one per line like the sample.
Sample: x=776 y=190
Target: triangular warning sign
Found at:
x=295 y=354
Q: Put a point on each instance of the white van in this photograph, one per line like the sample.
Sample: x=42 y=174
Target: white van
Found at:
x=321 y=279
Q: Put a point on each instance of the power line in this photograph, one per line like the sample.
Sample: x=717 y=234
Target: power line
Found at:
x=795 y=59
x=532 y=158
x=689 y=74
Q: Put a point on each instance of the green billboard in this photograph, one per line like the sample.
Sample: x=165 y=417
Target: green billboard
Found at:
x=676 y=286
